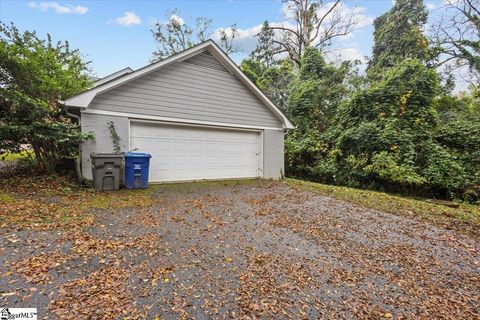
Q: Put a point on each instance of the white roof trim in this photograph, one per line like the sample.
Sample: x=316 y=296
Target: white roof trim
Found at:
x=137 y=116
x=112 y=76
x=84 y=99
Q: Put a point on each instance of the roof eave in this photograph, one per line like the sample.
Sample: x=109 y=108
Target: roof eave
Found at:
x=112 y=76
x=81 y=100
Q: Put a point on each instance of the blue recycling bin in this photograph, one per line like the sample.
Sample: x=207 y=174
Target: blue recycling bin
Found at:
x=136 y=170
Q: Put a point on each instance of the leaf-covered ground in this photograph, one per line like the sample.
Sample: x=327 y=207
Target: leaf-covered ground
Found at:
x=251 y=249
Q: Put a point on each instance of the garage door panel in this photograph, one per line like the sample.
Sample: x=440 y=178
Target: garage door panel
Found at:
x=194 y=153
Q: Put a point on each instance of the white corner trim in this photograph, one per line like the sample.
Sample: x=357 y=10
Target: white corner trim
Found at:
x=135 y=116
x=84 y=99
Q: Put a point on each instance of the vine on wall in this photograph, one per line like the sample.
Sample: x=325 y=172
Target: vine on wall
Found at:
x=115 y=137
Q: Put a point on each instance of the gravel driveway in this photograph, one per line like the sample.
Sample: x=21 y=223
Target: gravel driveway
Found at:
x=242 y=250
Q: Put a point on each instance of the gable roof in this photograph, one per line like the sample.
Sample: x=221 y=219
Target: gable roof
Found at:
x=83 y=100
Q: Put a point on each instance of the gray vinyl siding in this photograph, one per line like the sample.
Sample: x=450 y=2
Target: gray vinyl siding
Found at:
x=197 y=89
x=102 y=141
x=273 y=160
x=205 y=59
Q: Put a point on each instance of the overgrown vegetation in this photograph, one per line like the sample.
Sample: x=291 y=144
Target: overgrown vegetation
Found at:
x=34 y=75
x=397 y=128
x=115 y=137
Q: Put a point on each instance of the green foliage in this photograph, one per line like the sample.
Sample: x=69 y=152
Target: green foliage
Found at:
x=115 y=137
x=312 y=105
x=266 y=48
x=398 y=35
x=387 y=135
x=459 y=134
x=34 y=75
x=253 y=69
x=390 y=126
x=313 y=64
x=393 y=129
x=389 y=167
x=317 y=92
x=274 y=80
x=12 y=157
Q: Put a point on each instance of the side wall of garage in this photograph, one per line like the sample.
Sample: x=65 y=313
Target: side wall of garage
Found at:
x=273 y=159
x=102 y=141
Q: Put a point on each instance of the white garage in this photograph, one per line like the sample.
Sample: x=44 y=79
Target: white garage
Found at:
x=195 y=112
x=186 y=153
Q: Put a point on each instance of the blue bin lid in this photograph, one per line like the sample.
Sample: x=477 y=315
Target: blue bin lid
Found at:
x=137 y=155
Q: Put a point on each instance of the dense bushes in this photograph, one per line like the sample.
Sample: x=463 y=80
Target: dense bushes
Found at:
x=34 y=75
x=392 y=135
x=397 y=128
x=397 y=133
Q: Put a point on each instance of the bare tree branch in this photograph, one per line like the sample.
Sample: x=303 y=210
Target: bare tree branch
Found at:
x=312 y=23
x=175 y=35
x=456 y=35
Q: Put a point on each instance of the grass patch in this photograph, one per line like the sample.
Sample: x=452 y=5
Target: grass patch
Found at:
x=122 y=199
x=464 y=214
x=6 y=199
x=182 y=186
x=10 y=157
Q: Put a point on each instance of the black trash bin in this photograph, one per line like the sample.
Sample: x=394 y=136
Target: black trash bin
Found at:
x=106 y=170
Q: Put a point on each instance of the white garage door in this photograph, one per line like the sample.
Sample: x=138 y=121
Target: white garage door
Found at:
x=193 y=153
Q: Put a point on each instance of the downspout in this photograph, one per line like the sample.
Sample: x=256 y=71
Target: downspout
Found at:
x=78 y=160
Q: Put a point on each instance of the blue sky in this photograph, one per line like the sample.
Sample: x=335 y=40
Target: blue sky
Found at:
x=116 y=34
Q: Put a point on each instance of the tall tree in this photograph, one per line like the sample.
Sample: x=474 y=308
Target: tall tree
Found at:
x=175 y=35
x=311 y=23
x=34 y=74
x=313 y=101
x=399 y=35
x=274 y=80
x=457 y=35
x=266 y=47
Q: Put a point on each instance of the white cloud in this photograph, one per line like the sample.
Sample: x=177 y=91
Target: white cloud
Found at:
x=58 y=8
x=245 y=41
x=345 y=54
x=128 y=18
